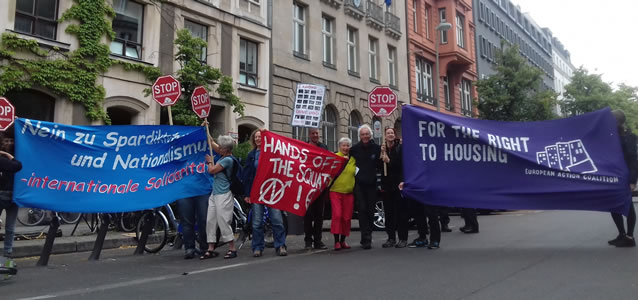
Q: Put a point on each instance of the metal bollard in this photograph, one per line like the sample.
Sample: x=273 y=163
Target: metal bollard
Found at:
x=48 y=244
x=149 y=219
x=101 y=235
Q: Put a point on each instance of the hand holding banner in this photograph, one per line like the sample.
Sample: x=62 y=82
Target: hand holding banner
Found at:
x=291 y=174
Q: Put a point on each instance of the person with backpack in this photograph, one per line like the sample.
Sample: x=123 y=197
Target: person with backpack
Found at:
x=276 y=217
x=220 y=203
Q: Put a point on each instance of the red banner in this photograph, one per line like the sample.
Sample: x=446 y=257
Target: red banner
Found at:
x=291 y=174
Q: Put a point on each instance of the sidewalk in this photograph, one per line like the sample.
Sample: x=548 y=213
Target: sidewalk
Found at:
x=82 y=240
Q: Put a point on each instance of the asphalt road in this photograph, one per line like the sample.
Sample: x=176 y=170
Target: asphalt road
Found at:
x=517 y=255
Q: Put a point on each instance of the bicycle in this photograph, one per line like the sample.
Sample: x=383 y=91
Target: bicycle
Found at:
x=159 y=230
x=37 y=216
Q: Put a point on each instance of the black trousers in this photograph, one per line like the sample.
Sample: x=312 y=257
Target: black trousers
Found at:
x=397 y=212
x=433 y=212
x=444 y=216
x=313 y=220
x=469 y=215
x=418 y=210
x=366 y=196
x=631 y=221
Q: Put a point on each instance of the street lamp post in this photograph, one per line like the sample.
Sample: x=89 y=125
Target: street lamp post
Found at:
x=442 y=27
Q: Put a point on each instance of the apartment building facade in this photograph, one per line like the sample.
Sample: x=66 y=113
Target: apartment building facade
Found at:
x=501 y=22
x=457 y=55
x=563 y=69
x=237 y=39
x=348 y=46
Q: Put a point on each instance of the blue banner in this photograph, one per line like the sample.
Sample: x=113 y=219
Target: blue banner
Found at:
x=108 y=168
x=573 y=164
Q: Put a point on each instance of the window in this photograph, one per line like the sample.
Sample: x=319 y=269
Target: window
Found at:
x=353 y=127
x=424 y=91
x=415 y=15
x=37 y=17
x=442 y=19
x=427 y=22
x=300 y=133
x=466 y=97
x=199 y=31
x=373 y=58
x=446 y=94
x=299 y=29
x=248 y=62
x=353 y=50
x=460 y=31
x=392 y=65
x=330 y=128
x=481 y=13
x=127 y=25
x=482 y=46
x=328 y=40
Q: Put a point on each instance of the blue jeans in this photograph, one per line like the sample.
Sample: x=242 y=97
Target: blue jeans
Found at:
x=277 y=221
x=191 y=210
x=9 y=228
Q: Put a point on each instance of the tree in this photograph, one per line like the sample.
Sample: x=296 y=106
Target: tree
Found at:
x=514 y=92
x=194 y=73
x=588 y=92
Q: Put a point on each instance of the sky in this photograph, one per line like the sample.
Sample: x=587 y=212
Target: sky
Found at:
x=599 y=35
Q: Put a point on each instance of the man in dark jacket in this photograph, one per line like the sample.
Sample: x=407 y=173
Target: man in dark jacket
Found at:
x=8 y=167
x=313 y=220
x=630 y=153
x=367 y=156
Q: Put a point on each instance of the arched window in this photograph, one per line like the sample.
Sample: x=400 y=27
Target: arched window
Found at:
x=32 y=104
x=329 y=128
x=377 y=133
x=121 y=115
x=353 y=126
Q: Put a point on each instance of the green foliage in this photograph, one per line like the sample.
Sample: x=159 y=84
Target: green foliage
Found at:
x=514 y=92
x=241 y=150
x=194 y=73
x=588 y=92
x=71 y=75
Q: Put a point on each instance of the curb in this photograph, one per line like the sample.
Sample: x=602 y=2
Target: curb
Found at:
x=82 y=244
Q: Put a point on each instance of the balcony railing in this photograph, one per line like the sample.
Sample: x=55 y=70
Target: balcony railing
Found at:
x=392 y=25
x=354 y=10
x=374 y=15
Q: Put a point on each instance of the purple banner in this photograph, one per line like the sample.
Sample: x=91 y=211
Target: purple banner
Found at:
x=573 y=164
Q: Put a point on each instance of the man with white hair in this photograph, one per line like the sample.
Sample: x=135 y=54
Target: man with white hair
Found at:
x=367 y=156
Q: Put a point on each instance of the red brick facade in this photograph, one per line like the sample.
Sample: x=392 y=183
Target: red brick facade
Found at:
x=456 y=62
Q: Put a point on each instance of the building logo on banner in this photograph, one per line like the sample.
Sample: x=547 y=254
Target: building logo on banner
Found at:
x=570 y=156
x=308 y=105
x=291 y=174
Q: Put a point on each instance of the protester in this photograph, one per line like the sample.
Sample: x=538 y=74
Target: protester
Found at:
x=629 y=148
x=313 y=220
x=367 y=156
x=430 y=213
x=444 y=218
x=220 y=203
x=193 y=211
x=8 y=167
x=275 y=215
x=341 y=197
x=395 y=207
x=471 y=221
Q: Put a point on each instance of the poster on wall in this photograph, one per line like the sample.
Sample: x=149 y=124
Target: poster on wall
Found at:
x=308 y=105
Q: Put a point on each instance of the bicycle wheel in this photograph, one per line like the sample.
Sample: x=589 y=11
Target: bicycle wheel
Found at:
x=32 y=217
x=128 y=221
x=69 y=218
x=158 y=237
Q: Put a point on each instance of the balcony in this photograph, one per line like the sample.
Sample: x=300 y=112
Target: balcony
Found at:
x=334 y=3
x=374 y=15
x=392 y=25
x=354 y=8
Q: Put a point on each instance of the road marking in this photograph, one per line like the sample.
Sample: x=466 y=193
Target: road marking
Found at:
x=111 y=286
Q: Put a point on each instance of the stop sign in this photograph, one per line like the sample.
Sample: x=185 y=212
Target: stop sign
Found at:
x=201 y=102
x=7 y=114
x=382 y=101
x=166 y=90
